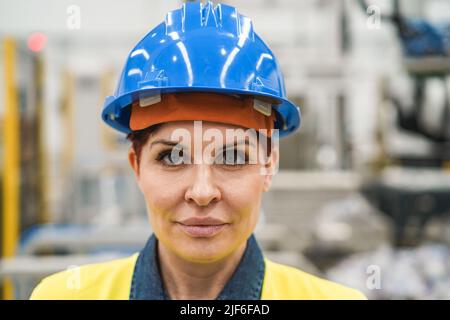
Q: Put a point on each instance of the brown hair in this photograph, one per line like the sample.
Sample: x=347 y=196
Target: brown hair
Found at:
x=139 y=138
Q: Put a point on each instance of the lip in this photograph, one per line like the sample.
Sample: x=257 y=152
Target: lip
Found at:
x=206 y=221
x=202 y=227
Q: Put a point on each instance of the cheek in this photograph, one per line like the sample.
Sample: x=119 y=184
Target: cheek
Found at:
x=162 y=191
x=243 y=189
x=242 y=196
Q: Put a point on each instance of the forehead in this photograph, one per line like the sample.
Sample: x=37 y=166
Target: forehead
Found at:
x=166 y=130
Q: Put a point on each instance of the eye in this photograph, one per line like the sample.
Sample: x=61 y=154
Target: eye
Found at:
x=232 y=157
x=171 y=157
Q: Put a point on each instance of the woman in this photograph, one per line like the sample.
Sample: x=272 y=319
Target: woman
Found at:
x=202 y=100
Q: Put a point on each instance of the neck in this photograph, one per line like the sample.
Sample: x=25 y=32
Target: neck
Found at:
x=192 y=280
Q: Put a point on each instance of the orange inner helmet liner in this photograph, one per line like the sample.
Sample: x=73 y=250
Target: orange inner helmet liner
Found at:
x=203 y=106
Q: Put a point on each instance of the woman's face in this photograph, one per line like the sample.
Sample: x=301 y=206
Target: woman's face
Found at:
x=202 y=212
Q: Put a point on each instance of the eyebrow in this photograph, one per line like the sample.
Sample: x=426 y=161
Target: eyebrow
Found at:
x=164 y=141
x=235 y=144
x=175 y=143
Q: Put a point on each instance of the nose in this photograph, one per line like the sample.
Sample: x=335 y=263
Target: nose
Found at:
x=202 y=190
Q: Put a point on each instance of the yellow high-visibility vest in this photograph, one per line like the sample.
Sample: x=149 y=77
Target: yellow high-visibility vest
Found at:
x=112 y=281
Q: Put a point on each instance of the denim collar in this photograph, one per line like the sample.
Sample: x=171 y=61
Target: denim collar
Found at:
x=244 y=284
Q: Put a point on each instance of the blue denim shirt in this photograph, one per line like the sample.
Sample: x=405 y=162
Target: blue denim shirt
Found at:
x=245 y=283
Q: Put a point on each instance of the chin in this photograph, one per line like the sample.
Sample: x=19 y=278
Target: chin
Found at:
x=204 y=249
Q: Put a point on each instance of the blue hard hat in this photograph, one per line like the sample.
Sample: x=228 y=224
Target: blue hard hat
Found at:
x=204 y=48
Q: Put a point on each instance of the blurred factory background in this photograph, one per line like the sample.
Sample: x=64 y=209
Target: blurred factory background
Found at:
x=363 y=192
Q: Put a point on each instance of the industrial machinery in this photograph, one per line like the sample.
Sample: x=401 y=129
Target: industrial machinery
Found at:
x=419 y=191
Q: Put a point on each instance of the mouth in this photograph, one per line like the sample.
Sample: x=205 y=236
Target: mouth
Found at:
x=202 y=227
